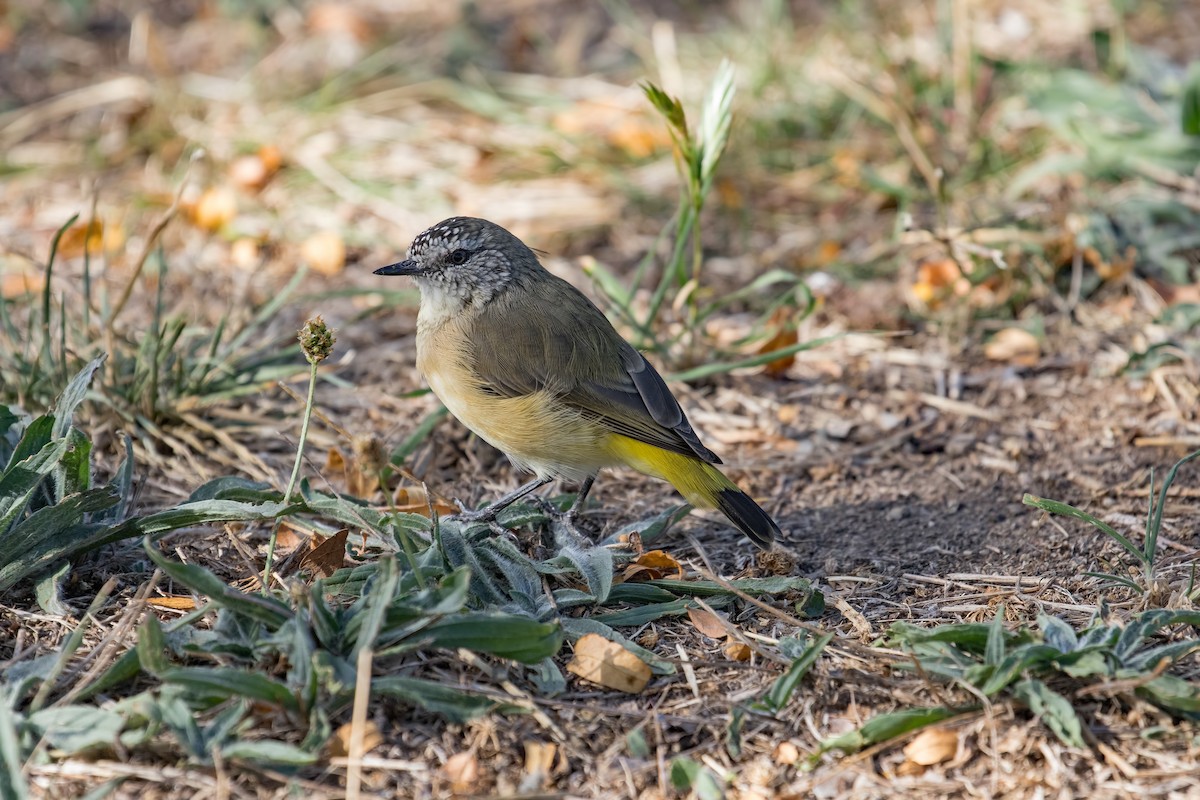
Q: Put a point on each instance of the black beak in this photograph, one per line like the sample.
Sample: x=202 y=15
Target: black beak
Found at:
x=405 y=267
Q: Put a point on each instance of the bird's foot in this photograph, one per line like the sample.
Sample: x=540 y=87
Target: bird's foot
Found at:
x=486 y=514
x=564 y=525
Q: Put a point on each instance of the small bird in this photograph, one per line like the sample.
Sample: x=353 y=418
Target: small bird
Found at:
x=533 y=367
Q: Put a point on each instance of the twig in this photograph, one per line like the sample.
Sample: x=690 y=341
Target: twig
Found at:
x=849 y=644
x=358 y=723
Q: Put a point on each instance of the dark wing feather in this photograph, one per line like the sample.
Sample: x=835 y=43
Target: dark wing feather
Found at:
x=553 y=338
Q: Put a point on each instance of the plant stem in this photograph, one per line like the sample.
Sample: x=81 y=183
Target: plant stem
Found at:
x=287 y=494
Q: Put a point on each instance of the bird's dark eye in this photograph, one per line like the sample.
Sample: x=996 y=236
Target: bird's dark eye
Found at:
x=458 y=257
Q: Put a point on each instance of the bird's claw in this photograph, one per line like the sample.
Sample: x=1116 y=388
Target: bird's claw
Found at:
x=486 y=514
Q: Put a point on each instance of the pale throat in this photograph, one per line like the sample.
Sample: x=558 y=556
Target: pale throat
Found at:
x=441 y=302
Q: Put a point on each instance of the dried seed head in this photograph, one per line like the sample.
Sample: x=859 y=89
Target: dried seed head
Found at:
x=316 y=340
x=370 y=453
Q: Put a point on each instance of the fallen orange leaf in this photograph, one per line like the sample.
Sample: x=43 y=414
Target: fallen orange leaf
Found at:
x=785 y=336
x=173 y=602
x=736 y=651
x=82 y=236
x=653 y=565
x=288 y=537
x=271 y=157
x=707 y=623
x=640 y=136
x=609 y=664
x=939 y=279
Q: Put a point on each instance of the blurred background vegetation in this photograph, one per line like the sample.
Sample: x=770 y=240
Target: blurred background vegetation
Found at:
x=986 y=171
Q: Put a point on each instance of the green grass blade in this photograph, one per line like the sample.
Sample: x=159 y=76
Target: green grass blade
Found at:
x=777 y=697
x=886 y=727
x=216 y=684
x=1154 y=524
x=1053 y=709
x=12 y=776
x=1064 y=510
x=504 y=635
x=456 y=705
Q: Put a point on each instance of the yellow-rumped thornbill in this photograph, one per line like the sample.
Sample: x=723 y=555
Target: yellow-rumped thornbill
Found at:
x=532 y=366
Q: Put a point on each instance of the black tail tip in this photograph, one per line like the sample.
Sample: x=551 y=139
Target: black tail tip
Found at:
x=748 y=516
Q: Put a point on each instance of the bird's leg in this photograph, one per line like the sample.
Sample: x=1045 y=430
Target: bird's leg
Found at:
x=488 y=513
x=580 y=498
x=563 y=527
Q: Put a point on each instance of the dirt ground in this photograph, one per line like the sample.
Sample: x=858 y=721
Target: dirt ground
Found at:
x=896 y=474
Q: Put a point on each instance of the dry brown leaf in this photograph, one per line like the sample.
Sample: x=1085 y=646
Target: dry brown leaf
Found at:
x=414 y=500
x=339 y=743
x=827 y=252
x=785 y=336
x=328 y=555
x=1014 y=345
x=640 y=136
x=736 y=651
x=173 y=602
x=325 y=252
x=216 y=208
x=707 y=623
x=462 y=770
x=609 y=664
x=652 y=566
x=335 y=461
x=289 y=538
x=360 y=471
x=938 y=279
x=82 y=236
x=271 y=157
x=847 y=164
x=624 y=126
x=932 y=746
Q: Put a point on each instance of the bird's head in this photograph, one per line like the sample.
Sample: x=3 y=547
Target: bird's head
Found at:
x=465 y=260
